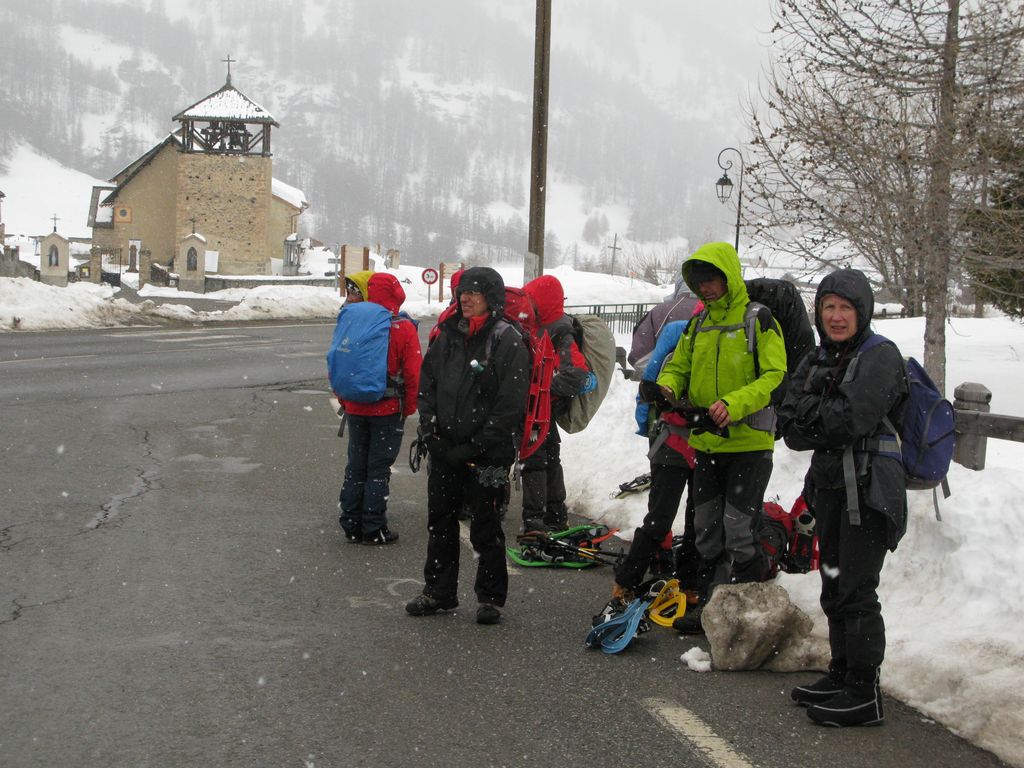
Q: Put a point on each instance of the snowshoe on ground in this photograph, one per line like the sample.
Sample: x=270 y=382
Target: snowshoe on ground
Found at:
x=617 y=631
x=668 y=605
x=638 y=484
x=576 y=547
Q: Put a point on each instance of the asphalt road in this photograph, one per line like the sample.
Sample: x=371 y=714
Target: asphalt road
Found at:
x=175 y=591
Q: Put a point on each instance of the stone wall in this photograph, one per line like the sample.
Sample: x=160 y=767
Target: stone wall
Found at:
x=12 y=266
x=229 y=195
x=221 y=283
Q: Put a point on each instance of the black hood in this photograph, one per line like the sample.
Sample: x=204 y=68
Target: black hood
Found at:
x=486 y=281
x=852 y=285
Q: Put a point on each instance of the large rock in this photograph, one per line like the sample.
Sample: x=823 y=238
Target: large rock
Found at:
x=750 y=626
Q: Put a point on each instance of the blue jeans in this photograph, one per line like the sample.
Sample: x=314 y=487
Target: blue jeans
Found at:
x=373 y=445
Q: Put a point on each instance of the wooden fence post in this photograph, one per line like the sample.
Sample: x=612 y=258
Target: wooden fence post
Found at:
x=970 y=447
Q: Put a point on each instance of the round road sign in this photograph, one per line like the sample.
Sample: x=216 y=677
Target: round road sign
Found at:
x=429 y=276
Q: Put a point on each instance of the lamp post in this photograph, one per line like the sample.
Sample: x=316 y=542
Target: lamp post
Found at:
x=723 y=187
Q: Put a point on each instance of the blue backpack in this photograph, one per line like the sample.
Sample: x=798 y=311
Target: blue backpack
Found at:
x=926 y=438
x=357 y=361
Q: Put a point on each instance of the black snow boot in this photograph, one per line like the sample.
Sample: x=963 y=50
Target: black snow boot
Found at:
x=690 y=623
x=859 y=703
x=755 y=569
x=822 y=689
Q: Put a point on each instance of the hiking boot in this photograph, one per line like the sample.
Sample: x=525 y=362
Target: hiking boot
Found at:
x=354 y=536
x=380 y=537
x=556 y=522
x=613 y=607
x=689 y=624
x=820 y=691
x=425 y=605
x=487 y=614
x=850 y=707
x=535 y=524
x=753 y=570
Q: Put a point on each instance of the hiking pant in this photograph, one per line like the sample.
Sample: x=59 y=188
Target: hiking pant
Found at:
x=373 y=444
x=544 y=483
x=667 y=485
x=851 y=561
x=728 y=491
x=448 y=488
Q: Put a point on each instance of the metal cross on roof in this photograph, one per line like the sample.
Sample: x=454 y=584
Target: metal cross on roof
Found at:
x=193 y=220
x=229 y=60
x=55 y=220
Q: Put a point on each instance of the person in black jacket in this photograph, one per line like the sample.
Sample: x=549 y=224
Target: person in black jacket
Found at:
x=472 y=399
x=836 y=405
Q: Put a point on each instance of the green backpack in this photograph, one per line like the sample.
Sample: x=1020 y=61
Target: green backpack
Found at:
x=595 y=340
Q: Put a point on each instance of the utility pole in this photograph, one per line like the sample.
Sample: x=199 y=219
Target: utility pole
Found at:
x=534 y=263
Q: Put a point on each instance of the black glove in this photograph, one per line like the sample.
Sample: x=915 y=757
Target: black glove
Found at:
x=699 y=420
x=652 y=393
x=460 y=454
x=821 y=378
x=567 y=383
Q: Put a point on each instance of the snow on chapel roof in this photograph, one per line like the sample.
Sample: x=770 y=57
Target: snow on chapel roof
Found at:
x=296 y=198
x=227 y=104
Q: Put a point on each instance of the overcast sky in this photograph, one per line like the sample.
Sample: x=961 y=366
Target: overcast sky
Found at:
x=667 y=45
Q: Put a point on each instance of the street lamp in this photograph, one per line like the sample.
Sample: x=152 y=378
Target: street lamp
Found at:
x=723 y=187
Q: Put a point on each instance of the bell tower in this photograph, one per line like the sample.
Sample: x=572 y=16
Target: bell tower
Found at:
x=226 y=122
x=224 y=177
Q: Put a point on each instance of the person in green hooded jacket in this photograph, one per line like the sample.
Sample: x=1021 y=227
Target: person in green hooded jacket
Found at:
x=726 y=384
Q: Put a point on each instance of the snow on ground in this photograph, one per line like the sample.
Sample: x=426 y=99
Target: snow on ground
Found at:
x=952 y=593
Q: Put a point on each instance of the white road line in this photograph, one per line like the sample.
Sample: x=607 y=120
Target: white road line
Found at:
x=130 y=334
x=44 y=359
x=694 y=732
x=201 y=337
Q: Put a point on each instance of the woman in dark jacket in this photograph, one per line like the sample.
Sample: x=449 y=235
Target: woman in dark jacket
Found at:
x=836 y=405
x=472 y=398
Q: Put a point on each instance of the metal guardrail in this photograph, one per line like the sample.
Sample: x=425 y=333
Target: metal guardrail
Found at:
x=621 y=318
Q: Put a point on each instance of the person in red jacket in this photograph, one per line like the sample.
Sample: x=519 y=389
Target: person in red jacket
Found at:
x=375 y=429
x=543 y=481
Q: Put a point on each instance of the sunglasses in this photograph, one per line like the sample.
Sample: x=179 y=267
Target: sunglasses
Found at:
x=353 y=290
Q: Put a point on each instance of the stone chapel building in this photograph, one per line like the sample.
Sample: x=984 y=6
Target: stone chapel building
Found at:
x=213 y=177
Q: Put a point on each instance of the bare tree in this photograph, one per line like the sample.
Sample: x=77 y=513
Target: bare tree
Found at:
x=654 y=264
x=870 y=137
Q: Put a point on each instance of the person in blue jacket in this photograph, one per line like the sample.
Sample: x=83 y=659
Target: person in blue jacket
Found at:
x=671 y=473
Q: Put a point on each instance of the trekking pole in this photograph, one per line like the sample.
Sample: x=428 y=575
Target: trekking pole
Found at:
x=417 y=450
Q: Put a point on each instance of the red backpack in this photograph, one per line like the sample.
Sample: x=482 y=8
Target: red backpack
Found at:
x=521 y=312
x=788 y=538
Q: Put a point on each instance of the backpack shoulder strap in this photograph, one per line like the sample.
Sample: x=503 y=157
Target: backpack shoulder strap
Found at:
x=872 y=341
x=695 y=327
x=501 y=325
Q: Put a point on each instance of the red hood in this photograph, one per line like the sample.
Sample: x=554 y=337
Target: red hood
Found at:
x=546 y=292
x=384 y=289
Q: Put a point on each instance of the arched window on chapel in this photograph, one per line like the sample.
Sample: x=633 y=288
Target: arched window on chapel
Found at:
x=53 y=258
x=191 y=260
